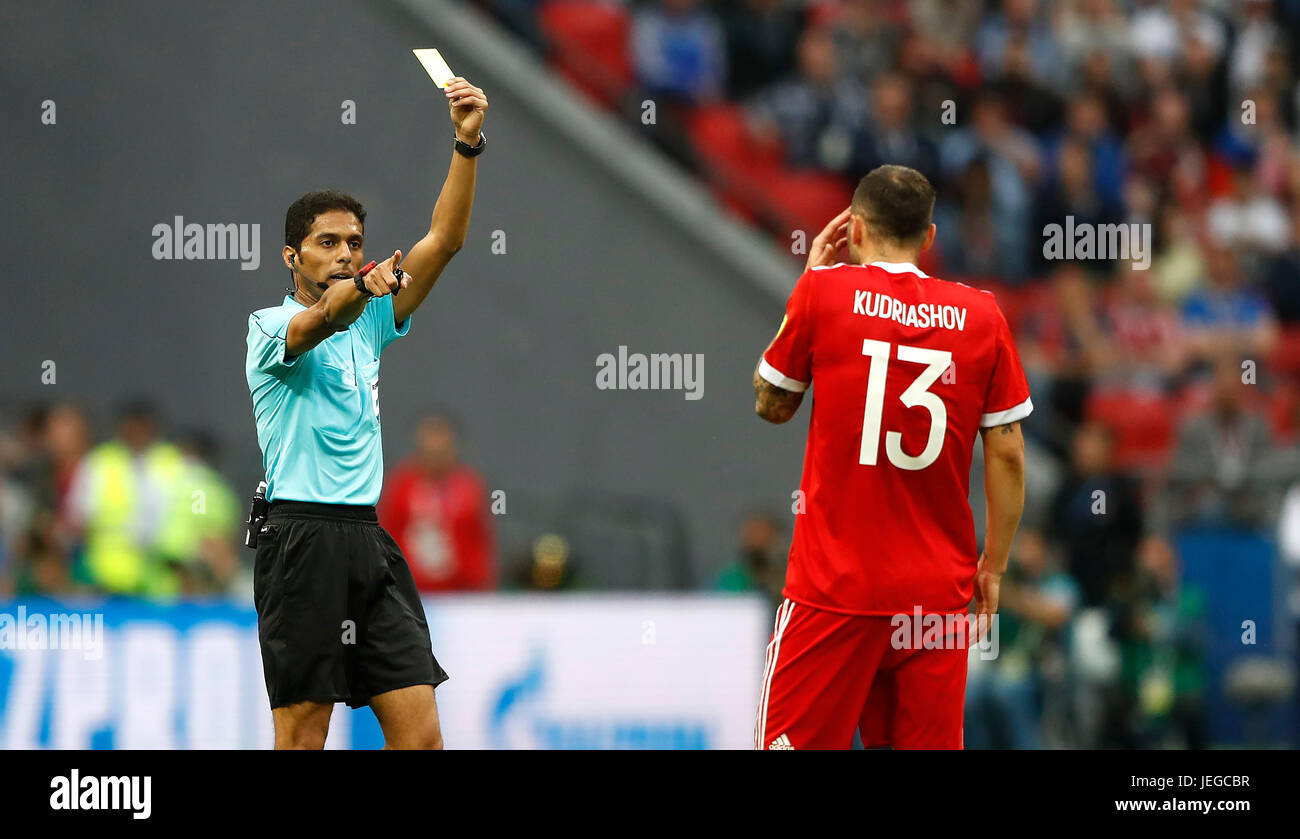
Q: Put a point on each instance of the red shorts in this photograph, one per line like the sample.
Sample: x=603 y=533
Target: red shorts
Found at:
x=828 y=674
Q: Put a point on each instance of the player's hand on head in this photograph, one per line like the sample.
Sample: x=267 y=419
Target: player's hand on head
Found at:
x=468 y=104
x=826 y=246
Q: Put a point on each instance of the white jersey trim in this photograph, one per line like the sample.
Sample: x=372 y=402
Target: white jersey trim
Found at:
x=774 y=376
x=1019 y=412
x=891 y=267
x=783 y=614
x=900 y=268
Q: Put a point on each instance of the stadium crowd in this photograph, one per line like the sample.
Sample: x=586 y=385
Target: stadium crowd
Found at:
x=140 y=515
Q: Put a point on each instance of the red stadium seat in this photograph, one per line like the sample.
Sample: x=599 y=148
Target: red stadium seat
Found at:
x=732 y=159
x=1143 y=423
x=1282 y=404
x=805 y=200
x=1286 y=355
x=590 y=43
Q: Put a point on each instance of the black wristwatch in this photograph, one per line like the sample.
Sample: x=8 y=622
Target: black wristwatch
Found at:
x=472 y=151
x=360 y=282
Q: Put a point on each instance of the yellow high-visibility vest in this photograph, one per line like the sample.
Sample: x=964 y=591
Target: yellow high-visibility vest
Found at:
x=116 y=560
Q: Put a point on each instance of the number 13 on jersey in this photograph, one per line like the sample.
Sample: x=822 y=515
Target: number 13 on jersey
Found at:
x=917 y=394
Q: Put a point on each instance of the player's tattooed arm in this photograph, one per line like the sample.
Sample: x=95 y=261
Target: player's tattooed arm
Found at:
x=1004 y=494
x=772 y=403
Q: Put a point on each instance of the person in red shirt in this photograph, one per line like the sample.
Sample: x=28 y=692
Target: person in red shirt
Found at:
x=437 y=510
x=907 y=369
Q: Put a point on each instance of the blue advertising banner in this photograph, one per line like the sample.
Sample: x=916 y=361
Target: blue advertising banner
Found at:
x=532 y=672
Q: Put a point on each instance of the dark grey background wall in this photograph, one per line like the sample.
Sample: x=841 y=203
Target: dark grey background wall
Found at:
x=228 y=112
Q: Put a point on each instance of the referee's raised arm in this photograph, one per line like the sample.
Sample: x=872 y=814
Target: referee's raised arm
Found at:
x=450 y=220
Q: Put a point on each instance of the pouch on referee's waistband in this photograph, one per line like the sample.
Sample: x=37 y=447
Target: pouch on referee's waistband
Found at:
x=256 y=515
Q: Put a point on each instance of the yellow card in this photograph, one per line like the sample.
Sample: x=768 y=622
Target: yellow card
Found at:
x=435 y=66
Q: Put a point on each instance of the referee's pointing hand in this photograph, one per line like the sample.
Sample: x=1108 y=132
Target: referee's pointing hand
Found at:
x=381 y=280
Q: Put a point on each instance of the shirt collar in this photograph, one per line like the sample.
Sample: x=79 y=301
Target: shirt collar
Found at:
x=289 y=301
x=899 y=268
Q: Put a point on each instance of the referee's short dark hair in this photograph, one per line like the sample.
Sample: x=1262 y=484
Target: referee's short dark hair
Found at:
x=896 y=202
x=301 y=213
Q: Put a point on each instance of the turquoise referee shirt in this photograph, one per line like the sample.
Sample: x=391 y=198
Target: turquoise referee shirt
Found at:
x=318 y=413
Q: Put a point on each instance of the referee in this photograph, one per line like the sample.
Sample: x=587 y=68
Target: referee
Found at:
x=338 y=615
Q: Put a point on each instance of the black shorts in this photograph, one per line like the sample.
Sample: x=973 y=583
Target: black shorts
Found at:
x=338 y=615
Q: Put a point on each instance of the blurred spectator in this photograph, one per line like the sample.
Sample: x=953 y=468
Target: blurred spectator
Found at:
x=211 y=563
x=1012 y=161
x=1087 y=122
x=817 y=111
x=1004 y=697
x=437 y=509
x=1163 y=641
x=1097 y=515
x=891 y=137
x=122 y=503
x=1216 y=474
x=1281 y=282
x=1205 y=85
x=1248 y=220
x=1265 y=140
x=1178 y=266
x=1087 y=27
x=1018 y=26
x=1075 y=201
x=1228 y=317
x=947 y=26
x=678 y=50
x=938 y=79
x=760 y=562
x=1030 y=100
x=1145 y=349
x=1112 y=88
x=1255 y=38
x=549 y=566
x=65 y=443
x=1160 y=28
x=970 y=241
x=39 y=468
x=1163 y=150
x=761 y=36
x=1061 y=346
x=865 y=39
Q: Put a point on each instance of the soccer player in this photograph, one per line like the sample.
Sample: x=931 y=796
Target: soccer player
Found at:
x=338 y=615
x=907 y=369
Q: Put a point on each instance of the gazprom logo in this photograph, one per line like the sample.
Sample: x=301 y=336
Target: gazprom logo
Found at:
x=521 y=720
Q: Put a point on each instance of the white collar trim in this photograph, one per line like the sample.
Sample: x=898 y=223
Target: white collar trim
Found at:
x=899 y=268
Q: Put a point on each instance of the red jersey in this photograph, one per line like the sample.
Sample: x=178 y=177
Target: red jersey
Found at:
x=442 y=526
x=907 y=368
